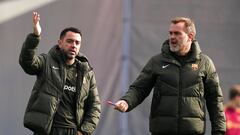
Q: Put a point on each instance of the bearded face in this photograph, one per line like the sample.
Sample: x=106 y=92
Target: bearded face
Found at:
x=180 y=41
x=70 y=44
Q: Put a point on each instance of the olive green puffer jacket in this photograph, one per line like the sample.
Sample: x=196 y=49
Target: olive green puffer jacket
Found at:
x=48 y=89
x=180 y=93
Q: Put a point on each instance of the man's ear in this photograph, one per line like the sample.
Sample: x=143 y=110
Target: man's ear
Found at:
x=59 y=43
x=190 y=35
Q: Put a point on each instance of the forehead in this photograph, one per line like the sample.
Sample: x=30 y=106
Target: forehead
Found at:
x=73 y=35
x=177 y=27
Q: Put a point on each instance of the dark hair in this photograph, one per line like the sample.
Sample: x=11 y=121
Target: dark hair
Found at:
x=72 y=29
x=234 y=91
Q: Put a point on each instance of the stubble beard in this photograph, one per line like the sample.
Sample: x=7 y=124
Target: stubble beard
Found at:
x=175 y=47
x=71 y=56
x=68 y=55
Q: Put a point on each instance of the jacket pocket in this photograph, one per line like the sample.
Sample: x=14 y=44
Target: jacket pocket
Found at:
x=201 y=108
x=192 y=107
x=40 y=115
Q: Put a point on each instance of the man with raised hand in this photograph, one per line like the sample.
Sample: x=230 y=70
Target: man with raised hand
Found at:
x=64 y=99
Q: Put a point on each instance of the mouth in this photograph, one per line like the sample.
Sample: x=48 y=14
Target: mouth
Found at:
x=72 y=52
x=173 y=41
x=173 y=44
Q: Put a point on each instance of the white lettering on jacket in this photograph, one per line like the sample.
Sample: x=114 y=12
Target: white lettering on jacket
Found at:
x=69 y=88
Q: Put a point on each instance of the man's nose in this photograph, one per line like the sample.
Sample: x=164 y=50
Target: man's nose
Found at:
x=74 y=44
x=172 y=36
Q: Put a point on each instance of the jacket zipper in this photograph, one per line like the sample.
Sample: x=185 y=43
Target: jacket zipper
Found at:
x=78 y=98
x=63 y=70
x=179 y=100
x=80 y=76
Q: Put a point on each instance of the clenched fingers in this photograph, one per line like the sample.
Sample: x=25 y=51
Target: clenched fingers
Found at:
x=121 y=106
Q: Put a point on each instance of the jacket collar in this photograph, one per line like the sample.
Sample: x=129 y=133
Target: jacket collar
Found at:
x=57 y=54
x=195 y=51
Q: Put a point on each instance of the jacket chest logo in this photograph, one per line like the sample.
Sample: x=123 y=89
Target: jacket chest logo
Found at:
x=54 y=67
x=165 y=66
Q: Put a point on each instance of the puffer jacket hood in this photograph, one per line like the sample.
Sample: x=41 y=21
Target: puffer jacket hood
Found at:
x=59 y=56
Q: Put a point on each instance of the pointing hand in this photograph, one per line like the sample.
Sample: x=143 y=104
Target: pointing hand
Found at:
x=121 y=106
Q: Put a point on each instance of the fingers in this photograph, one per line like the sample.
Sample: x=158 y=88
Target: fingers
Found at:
x=36 y=17
x=121 y=106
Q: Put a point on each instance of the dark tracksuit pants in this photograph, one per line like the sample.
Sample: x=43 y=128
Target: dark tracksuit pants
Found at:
x=61 y=131
x=172 y=134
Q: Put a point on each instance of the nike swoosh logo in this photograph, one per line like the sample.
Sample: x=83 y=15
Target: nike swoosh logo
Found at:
x=55 y=67
x=164 y=66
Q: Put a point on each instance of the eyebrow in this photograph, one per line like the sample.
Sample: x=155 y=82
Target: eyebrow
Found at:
x=73 y=39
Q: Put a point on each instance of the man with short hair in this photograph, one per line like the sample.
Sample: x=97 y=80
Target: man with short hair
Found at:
x=64 y=99
x=184 y=80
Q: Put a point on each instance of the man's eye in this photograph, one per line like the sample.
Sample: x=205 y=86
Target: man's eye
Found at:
x=70 y=41
x=177 y=33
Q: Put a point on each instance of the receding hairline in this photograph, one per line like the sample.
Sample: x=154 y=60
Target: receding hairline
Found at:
x=189 y=24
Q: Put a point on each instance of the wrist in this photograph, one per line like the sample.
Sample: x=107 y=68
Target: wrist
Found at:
x=35 y=35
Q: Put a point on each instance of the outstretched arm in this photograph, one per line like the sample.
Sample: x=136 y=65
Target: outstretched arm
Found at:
x=138 y=90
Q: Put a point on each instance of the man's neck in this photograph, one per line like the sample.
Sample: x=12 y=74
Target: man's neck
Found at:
x=70 y=61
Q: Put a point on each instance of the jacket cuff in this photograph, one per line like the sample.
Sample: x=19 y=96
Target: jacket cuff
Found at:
x=82 y=131
x=32 y=41
x=129 y=105
x=32 y=34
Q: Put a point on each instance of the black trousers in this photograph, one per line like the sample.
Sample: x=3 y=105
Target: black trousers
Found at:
x=61 y=131
x=172 y=134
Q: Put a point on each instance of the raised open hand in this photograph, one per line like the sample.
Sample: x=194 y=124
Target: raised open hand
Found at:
x=36 y=23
